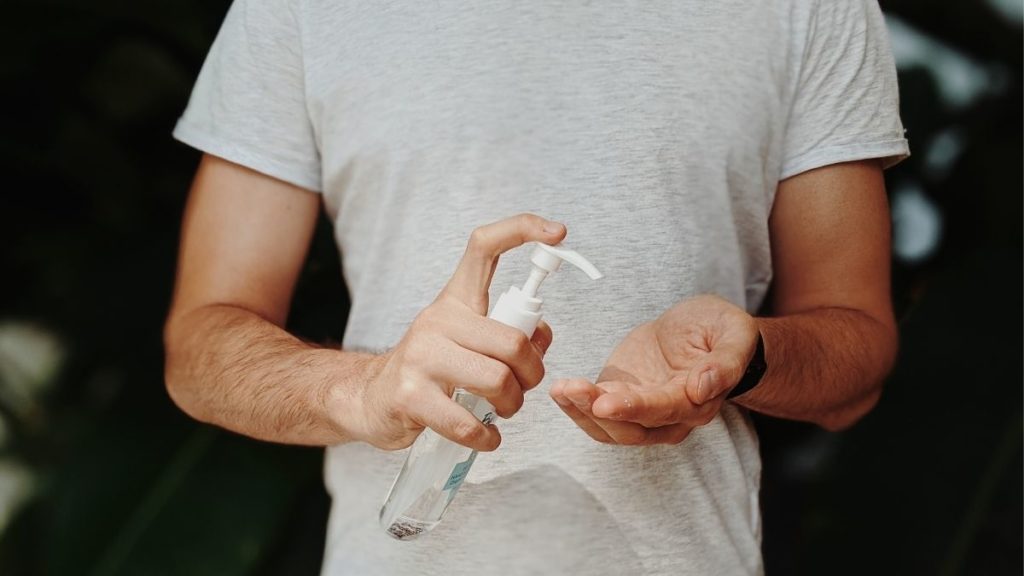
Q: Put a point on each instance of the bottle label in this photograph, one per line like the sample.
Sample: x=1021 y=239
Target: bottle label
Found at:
x=459 y=473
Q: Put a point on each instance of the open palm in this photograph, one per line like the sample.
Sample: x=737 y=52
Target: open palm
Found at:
x=666 y=376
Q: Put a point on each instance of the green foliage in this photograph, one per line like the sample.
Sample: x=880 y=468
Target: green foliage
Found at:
x=929 y=483
x=124 y=483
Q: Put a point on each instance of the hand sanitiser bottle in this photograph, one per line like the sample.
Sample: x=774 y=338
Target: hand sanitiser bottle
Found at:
x=436 y=466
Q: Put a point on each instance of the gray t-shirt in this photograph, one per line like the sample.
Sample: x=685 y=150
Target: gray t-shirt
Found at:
x=657 y=131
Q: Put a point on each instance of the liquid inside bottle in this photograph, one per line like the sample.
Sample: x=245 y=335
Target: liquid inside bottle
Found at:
x=430 y=478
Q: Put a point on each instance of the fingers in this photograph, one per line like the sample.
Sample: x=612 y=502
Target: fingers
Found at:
x=472 y=278
x=434 y=410
x=457 y=367
x=585 y=422
x=452 y=345
x=577 y=397
x=542 y=337
x=718 y=371
x=651 y=407
x=583 y=394
x=524 y=356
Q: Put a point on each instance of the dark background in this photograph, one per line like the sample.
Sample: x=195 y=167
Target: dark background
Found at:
x=100 y=474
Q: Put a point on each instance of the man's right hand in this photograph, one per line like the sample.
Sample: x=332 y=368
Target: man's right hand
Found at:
x=452 y=344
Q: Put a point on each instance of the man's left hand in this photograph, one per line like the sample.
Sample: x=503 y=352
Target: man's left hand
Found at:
x=666 y=377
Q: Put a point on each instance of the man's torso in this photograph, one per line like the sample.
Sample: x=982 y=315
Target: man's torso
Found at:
x=653 y=130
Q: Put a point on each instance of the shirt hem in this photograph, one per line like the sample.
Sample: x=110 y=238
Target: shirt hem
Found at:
x=891 y=152
x=205 y=141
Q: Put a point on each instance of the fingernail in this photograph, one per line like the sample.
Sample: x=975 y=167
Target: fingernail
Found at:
x=553 y=227
x=704 y=391
x=584 y=404
x=562 y=400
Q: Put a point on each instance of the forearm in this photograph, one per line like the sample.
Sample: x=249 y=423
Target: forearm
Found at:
x=229 y=367
x=824 y=366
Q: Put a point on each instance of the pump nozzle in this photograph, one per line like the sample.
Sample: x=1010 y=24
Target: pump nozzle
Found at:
x=546 y=259
x=521 y=308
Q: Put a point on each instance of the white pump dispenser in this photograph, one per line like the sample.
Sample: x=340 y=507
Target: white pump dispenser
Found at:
x=520 y=308
x=436 y=467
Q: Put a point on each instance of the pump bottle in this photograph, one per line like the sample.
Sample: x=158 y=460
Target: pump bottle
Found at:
x=436 y=466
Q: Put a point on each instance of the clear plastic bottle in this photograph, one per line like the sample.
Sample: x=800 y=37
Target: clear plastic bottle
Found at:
x=436 y=466
x=431 y=477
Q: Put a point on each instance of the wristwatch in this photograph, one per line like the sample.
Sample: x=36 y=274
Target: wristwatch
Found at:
x=755 y=371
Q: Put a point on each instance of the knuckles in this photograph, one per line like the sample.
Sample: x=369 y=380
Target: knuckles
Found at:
x=503 y=382
x=535 y=380
x=427 y=317
x=509 y=408
x=518 y=345
x=436 y=316
x=469 y=432
x=507 y=395
x=520 y=351
x=480 y=241
x=406 y=396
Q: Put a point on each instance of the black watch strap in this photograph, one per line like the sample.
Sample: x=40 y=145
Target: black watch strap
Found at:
x=755 y=370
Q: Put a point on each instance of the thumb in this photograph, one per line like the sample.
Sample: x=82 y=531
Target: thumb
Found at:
x=718 y=372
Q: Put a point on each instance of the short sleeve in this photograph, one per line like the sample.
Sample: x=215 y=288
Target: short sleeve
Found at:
x=845 y=105
x=248 y=104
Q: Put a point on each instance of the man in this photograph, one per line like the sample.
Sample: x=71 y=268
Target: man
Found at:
x=697 y=153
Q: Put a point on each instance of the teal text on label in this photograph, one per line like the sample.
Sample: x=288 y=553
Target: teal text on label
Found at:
x=459 y=474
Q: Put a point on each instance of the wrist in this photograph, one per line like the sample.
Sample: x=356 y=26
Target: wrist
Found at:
x=341 y=398
x=754 y=373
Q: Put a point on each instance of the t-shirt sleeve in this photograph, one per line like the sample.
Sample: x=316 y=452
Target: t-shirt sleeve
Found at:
x=249 y=103
x=846 y=101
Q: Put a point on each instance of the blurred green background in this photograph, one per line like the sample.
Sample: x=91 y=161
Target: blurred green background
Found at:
x=100 y=474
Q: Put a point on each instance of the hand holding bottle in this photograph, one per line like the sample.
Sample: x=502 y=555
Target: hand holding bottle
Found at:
x=452 y=344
